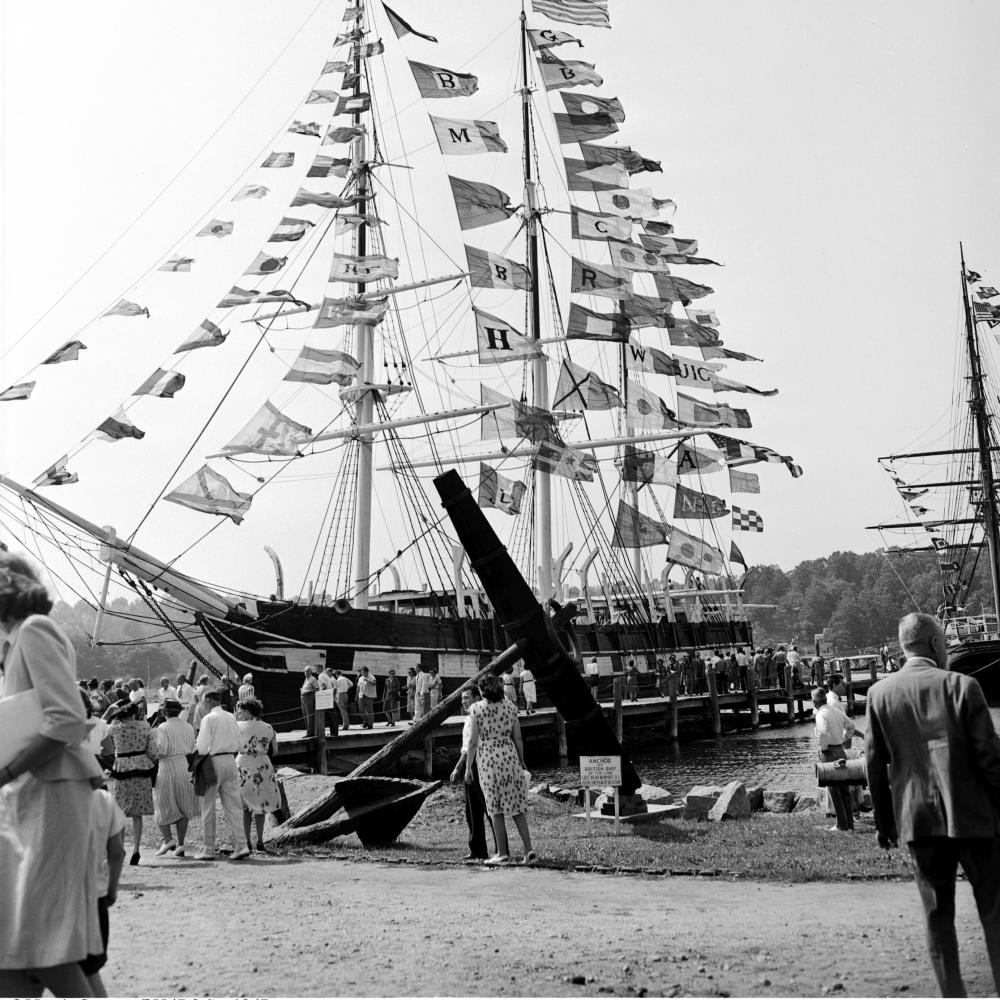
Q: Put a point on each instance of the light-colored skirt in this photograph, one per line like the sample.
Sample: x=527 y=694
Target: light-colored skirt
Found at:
x=173 y=795
x=48 y=896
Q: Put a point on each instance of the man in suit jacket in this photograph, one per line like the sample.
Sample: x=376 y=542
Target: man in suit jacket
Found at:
x=934 y=774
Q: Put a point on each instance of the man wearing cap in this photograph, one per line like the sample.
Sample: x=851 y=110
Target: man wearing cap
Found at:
x=219 y=738
x=934 y=776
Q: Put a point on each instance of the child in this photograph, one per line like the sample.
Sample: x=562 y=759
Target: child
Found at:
x=107 y=856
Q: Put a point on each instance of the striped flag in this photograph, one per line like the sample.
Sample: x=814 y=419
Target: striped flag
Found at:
x=238 y=297
x=592 y=12
x=161 y=383
x=490 y=270
x=70 y=351
x=22 y=390
x=279 y=160
x=116 y=428
x=206 y=335
x=466 y=136
x=321 y=367
x=434 y=82
x=367 y=50
x=290 y=230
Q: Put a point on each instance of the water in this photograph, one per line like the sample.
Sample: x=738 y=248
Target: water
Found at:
x=774 y=758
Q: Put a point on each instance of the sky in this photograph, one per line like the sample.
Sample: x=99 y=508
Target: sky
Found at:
x=832 y=155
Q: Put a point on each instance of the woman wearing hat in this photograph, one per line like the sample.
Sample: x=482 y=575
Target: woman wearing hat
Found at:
x=173 y=794
x=132 y=774
x=48 y=897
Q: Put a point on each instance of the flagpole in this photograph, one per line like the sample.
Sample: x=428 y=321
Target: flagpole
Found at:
x=632 y=486
x=364 y=337
x=980 y=415
x=542 y=493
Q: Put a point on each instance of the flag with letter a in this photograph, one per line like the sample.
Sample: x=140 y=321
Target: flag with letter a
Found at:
x=581 y=389
x=210 y=493
x=747 y=520
x=499 y=342
x=634 y=530
x=698 y=461
x=592 y=12
x=687 y=550
x=499 y=491
x=164 y=384
x=467 y=136
x=479 y=204
x=434 y=82
x=490 y=270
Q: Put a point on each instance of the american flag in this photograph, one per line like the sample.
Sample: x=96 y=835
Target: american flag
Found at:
x=747 y=520
x=593 y=12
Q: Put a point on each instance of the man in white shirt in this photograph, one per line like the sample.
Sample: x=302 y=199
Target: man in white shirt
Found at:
x=366 y=698
x=593 y=675
x=186 y=696
x=422 y=694
x=475 y=804
x=219 y=737
x=343 y=686
x=834 y=728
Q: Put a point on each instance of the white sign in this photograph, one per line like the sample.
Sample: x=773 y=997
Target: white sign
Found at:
x=596 y=772
x=325 y=698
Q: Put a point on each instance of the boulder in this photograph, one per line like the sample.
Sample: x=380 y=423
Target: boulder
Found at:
x=756 y=796
x=699 y=800
x=538 y=789
x=806 y=803
x=779 y=800
x=655 y=796
x=733 y=803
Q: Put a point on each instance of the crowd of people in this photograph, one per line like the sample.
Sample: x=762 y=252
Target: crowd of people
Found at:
x=97 y=760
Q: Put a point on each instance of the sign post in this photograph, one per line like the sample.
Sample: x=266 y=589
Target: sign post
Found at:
x=597 y=772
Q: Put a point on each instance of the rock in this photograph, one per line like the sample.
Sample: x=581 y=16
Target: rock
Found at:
x=578 y=980
x=756 y=796
x=700 y=800
x=806 y=803
x=733 y=803
x=655 y=796
x=538 y=789
x=779 y=800
x=764 y=981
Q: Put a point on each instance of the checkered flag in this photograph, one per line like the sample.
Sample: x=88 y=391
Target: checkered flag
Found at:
x=747 y=520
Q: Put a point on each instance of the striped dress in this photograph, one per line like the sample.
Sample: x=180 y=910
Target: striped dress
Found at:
x=173 y=796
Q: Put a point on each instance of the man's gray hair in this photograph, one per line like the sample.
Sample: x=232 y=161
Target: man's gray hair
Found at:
x=818 y=696
x=916 y=630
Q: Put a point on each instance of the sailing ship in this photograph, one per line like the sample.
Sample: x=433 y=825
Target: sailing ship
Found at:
x=950 y=495
x=402 y=314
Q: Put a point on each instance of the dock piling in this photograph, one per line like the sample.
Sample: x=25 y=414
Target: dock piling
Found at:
x=672 y=716
x=617 y=690
x=319 y=721
x=752 y=697
x=713 y=697
x=561 y=736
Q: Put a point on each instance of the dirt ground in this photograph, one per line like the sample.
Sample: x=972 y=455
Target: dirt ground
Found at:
x=327 y=927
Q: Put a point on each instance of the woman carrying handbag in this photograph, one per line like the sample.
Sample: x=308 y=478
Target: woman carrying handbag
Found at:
x=48 y=904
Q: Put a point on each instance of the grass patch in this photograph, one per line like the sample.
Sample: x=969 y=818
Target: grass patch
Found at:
x=766 y=847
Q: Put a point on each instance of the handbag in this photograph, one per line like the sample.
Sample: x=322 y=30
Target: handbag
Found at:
x=20 y=722
x=282 y=814
x=203 y=772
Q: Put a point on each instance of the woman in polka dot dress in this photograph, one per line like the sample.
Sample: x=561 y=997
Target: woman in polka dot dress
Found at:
x=496 y=746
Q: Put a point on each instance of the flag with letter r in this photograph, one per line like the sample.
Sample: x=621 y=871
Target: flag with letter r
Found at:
x=747 y=520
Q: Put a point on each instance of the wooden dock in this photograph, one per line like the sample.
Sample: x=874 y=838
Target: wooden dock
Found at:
x=718 y=713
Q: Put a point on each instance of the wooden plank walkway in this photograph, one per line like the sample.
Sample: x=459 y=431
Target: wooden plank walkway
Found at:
x=357 y=744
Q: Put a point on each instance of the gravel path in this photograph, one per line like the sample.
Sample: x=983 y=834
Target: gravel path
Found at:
x=303 y=928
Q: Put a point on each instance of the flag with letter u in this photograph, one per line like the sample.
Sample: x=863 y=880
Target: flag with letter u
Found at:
x=499 y=491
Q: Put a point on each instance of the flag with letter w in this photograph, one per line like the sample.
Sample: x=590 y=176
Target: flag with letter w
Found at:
x=433 y=81
x=747 y=520
x=499 y=491
x=466 y=136
x=593 y=12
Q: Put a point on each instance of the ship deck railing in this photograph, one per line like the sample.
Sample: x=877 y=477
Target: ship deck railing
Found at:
x=972 y=627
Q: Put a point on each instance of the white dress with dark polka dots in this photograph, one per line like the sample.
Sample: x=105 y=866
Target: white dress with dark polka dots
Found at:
x=500 y=772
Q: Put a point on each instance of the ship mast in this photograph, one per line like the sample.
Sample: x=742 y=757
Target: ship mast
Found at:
x=365 y=344
x=982 y=422
x=540 y=394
